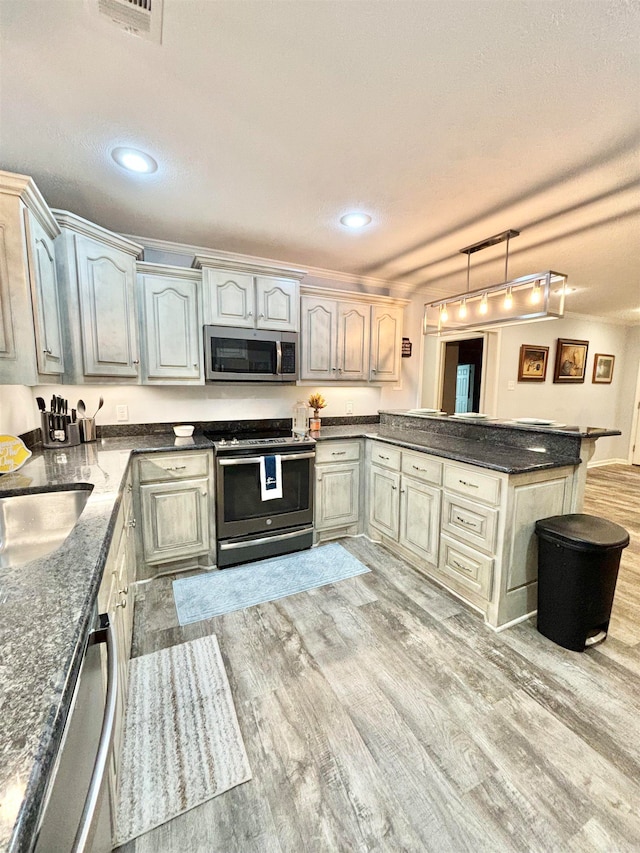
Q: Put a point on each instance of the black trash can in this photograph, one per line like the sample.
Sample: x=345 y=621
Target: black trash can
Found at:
x=578 y=562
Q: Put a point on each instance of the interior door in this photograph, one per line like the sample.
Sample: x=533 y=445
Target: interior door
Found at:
x=464 y=388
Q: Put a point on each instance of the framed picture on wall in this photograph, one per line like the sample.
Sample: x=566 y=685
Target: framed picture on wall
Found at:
x=571 y=360
x=533 y=363
x=603 y=368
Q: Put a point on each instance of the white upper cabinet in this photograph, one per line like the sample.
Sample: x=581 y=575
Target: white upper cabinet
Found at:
x=170 y=325
x=353 y=340
x=30 y=324
x=347 y=339
x=229 y=299
x=249 y=296
x=319 y=335
x=277 y=301
x=386 y=343
x=99 y=272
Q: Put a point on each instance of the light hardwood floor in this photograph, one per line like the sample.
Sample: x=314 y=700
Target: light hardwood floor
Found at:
x=380 y=714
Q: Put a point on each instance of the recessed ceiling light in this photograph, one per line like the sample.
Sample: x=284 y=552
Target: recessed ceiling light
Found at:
x=134 y=161
x=355 y=220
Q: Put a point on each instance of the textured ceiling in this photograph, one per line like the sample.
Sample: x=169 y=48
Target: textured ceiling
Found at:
x=446 y=121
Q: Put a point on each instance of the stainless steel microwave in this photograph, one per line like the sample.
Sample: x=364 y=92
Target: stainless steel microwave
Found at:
x=249 y=355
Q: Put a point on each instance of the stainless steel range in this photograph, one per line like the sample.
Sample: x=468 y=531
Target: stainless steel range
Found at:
x=248 y=527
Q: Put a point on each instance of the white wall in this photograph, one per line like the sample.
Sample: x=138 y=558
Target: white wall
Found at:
x=18 y=410
x=176 y=404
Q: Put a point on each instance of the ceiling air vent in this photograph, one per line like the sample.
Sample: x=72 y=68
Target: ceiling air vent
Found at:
x=141 y=18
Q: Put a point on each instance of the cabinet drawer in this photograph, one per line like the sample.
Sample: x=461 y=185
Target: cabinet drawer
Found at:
x=473 y=484
x=337 y=451
x=385 y=454
x=470 y=569
x=422 y=467
x=472 y=522
x=173 y=466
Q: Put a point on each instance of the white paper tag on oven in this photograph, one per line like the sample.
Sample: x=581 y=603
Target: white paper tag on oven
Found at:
x=270 y=477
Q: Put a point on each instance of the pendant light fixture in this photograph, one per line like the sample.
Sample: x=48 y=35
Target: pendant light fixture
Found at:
x=532 y=297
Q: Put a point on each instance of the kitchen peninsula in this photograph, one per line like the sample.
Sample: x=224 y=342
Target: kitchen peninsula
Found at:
x=458 y=500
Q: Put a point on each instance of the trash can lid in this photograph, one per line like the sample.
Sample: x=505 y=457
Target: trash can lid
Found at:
x=583 y=532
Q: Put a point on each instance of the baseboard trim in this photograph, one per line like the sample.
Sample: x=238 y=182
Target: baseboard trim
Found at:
x=512 y=623
x=601 y=462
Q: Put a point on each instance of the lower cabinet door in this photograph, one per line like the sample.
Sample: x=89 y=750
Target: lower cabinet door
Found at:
x=384 y=495
x=420 y=519
x=174 y=520
x=468 y=569
x=337 y=495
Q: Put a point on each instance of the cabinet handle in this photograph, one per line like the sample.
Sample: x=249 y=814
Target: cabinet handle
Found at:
x=468 y=523
x=418 y=468
x=334 y=369
x=122 y=604
x=373 y=370
x=195 y=363
x=402 y=491
x=470 y=485
x=129 y=487
x=176 y=468
x=47 y=351
x=339 y=370
x=380 y=456
x=338 y=452
x=124 y=591
x=132 y=523
x=457 y=565
x=260 y=316
x=394 y=488
x=249 y=314
x=204 y=494
x=136 y=361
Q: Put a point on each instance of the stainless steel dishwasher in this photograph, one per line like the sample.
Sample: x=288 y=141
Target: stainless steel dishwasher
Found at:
x=76 y=815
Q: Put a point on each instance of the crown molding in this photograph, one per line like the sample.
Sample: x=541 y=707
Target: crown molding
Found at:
x=78 y=225
x=24 y=188
x=351 y=295
x=255 y=266
x=185 y=273
x=236 y=260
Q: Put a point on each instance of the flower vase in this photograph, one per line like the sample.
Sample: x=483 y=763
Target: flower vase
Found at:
x=314 y=422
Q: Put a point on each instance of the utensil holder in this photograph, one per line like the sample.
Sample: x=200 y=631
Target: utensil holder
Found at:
x=88 y=429
x=58 y=432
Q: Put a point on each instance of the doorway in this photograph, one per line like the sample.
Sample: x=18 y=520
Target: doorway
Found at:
x=462 y=375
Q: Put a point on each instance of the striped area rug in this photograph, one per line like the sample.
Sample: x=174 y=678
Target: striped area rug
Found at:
x=182 y=742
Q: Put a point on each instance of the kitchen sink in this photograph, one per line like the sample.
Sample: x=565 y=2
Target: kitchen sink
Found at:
x=33 y=525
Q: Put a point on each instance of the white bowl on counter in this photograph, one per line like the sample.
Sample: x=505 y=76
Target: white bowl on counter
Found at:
x=183 y=431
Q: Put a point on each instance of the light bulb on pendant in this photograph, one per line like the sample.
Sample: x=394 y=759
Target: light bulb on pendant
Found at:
x=508 y=300
x=462 y=311
x=444 y=316
x=484 y=304
x=535 y=293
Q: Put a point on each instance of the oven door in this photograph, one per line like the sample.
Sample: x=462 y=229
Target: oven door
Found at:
x=240 y=508
x=233 y=355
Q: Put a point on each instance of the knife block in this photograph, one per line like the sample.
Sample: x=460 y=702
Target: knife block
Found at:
x=67 y=436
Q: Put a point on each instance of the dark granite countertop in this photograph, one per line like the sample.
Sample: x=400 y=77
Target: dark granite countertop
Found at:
x=45 y=610
x=495 y=456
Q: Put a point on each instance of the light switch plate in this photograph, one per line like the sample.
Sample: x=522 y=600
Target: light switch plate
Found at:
x=511 y=385
x=122 y=413
x=348 y=408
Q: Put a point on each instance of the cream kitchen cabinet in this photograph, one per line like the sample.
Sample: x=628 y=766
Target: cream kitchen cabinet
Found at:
x=405 y=507
x=347 y=337
x=386 y=343
x=174 y=494
x=249 y=296
x=116 y=598
x=98 y=270
x=335 y=339
x=31 y=350
x=170 y=312
x=337 y=491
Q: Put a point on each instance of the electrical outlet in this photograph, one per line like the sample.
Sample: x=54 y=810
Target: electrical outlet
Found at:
x=511 y=385
x=122 y=413
x=348 y=408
